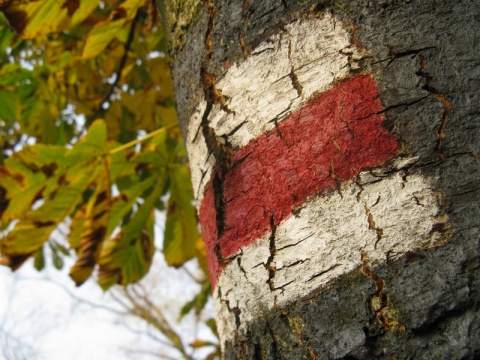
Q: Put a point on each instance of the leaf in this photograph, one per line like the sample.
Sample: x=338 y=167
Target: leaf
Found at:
x=31 y=18
x=181 y=232
x=104 y=32
x=94 y=222
x=212 y=324
x=100 y=36
x=198 y=302
x=31 y=232
x=57 y=260
x=39 y=260
x=9 y=106
x=160 y=75
x=92 y=145
x=127 y=257
x=123 y=203
x=28 y=175
x=56 y=177
x=143 y=104
x=201 y=343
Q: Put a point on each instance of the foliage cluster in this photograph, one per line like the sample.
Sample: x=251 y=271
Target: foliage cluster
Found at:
x=89 y=138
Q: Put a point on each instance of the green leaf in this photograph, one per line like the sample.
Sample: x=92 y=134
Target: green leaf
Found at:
x=122 y=204
x=57 y=260
x=198 y=302
x=181 y=232
x=212 y=324
x=40 y=172
x=127 y=257
x=92 y=145
x=9 y=106
x=39 y=260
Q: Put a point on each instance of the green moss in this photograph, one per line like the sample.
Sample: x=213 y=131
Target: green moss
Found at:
x=177 y=16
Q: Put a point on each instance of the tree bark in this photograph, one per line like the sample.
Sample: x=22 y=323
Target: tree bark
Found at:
x=334 y=148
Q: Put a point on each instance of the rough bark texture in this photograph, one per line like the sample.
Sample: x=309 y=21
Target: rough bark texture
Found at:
x=424 y=304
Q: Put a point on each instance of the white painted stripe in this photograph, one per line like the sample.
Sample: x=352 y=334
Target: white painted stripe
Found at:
x=260 y=89
x=200 y=161
x=325 y=240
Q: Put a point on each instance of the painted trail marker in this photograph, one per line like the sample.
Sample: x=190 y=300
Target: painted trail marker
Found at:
x=329 y=140
x=300 y=206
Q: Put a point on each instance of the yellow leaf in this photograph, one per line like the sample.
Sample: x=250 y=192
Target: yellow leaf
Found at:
x=35 y=18
x=168 y=115
x=91 y=145
x=31 y=232
x=104 y=32
x=201 y=343
x=113 y=118
x=142 y=104
x=100 y=36
x=27 y=176
x=159 y=71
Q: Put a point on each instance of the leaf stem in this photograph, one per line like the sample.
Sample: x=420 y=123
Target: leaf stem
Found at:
x=143 y=138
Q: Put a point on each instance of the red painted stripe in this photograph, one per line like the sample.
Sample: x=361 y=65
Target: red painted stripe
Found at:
x=336 y=135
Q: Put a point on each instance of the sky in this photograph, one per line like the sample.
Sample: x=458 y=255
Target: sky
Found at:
x=41 y=317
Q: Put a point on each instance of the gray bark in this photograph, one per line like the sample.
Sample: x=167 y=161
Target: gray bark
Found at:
x=427 y=55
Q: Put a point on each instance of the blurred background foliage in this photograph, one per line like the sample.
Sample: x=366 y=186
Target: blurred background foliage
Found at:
x=90 y=142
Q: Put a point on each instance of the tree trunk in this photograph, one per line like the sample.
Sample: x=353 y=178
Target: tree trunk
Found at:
x=334 y=153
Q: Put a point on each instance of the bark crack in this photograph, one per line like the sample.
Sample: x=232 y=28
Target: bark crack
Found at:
x=323 y=272
x=395 y=106
x=295 y=263
x=216 y=145
x=243 y=45
x=437 y=95
x=239 y=262
x=298 y=242
x=392 y=55
x=236 y=128
x=273 y=250
x=474 y=157
x=372 y=225
x=235 y=310
x=338 y=181
x=295 y=82
x=384 y=314
x=280 y=116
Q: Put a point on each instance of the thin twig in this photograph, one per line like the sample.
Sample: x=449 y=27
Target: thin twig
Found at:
x=118 y=74
x=146 y=333
x=143 y=138
x=151 y=353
